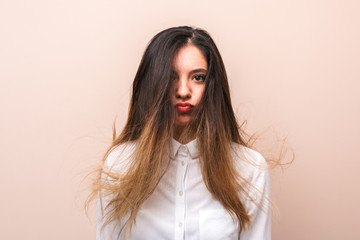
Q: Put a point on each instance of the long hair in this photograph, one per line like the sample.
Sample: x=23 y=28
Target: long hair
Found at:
x=150 y=125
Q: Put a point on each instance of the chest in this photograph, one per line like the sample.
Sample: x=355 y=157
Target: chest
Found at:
x=181 y=207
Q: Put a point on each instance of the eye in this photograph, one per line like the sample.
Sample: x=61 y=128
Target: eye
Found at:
x=173 y=76
x=199 y=78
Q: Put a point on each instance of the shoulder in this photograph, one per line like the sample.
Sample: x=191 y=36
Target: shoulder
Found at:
x=246 y=156
x=250 y=165
x=120 y=156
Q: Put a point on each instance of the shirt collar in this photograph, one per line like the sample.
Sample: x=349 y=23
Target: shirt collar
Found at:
x=191 y=147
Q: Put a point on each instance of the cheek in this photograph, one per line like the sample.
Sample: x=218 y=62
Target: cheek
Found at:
x=200 y=92
x=172 y=94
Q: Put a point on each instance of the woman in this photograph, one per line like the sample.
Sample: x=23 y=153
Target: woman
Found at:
x=180 y=168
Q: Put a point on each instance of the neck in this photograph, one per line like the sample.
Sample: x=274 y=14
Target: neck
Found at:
x=183 y=136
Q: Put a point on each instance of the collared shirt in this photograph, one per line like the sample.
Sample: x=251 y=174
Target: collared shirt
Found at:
x=181 y=207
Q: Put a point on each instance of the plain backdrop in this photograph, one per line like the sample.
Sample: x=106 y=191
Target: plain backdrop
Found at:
x=66 y=68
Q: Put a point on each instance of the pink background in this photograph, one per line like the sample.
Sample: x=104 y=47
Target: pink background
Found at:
x=66 y=68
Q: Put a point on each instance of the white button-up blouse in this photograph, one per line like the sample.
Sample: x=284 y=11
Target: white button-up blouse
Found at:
x=181 y=207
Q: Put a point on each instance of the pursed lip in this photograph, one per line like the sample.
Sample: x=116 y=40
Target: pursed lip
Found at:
x=184 y=107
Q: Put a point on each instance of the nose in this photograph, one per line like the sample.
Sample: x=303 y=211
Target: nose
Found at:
x=183 y=90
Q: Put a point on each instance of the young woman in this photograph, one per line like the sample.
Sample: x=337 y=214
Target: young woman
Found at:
x=180 y=169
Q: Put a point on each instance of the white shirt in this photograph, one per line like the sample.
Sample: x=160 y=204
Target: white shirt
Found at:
x=181 y=207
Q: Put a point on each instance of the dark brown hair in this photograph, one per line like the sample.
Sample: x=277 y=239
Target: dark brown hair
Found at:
x=150 y=124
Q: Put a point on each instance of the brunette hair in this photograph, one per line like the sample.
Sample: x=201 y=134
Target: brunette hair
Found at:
x=150 y=124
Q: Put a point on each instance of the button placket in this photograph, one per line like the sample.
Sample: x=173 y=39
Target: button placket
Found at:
x=180 y=198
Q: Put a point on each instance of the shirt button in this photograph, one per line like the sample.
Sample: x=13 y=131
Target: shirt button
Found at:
x=180 y=224
x=182 y=148
x=182 y=163
x=181 y=193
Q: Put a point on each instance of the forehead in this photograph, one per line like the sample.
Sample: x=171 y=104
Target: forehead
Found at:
x=188 y=58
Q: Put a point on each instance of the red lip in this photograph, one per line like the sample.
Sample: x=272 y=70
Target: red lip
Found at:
x=184 y=107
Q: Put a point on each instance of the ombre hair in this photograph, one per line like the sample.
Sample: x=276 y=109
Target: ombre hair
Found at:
x=150 y=126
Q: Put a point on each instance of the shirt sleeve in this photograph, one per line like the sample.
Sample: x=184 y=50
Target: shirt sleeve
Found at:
x=259 y=205
x=117 y=162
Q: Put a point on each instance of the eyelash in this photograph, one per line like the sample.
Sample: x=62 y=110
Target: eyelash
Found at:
x=197 y=77
x=200 y=78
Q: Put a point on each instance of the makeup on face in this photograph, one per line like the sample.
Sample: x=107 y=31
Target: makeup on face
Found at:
x=190 y=69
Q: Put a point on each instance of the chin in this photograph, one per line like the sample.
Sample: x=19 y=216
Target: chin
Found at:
x=182 y=121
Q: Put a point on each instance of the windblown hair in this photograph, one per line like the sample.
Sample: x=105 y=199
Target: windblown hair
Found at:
x=150 y=125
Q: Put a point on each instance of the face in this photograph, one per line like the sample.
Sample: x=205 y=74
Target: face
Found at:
x=190 y=68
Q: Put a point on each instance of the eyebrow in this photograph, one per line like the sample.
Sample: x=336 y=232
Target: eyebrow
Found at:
x=198 y=70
